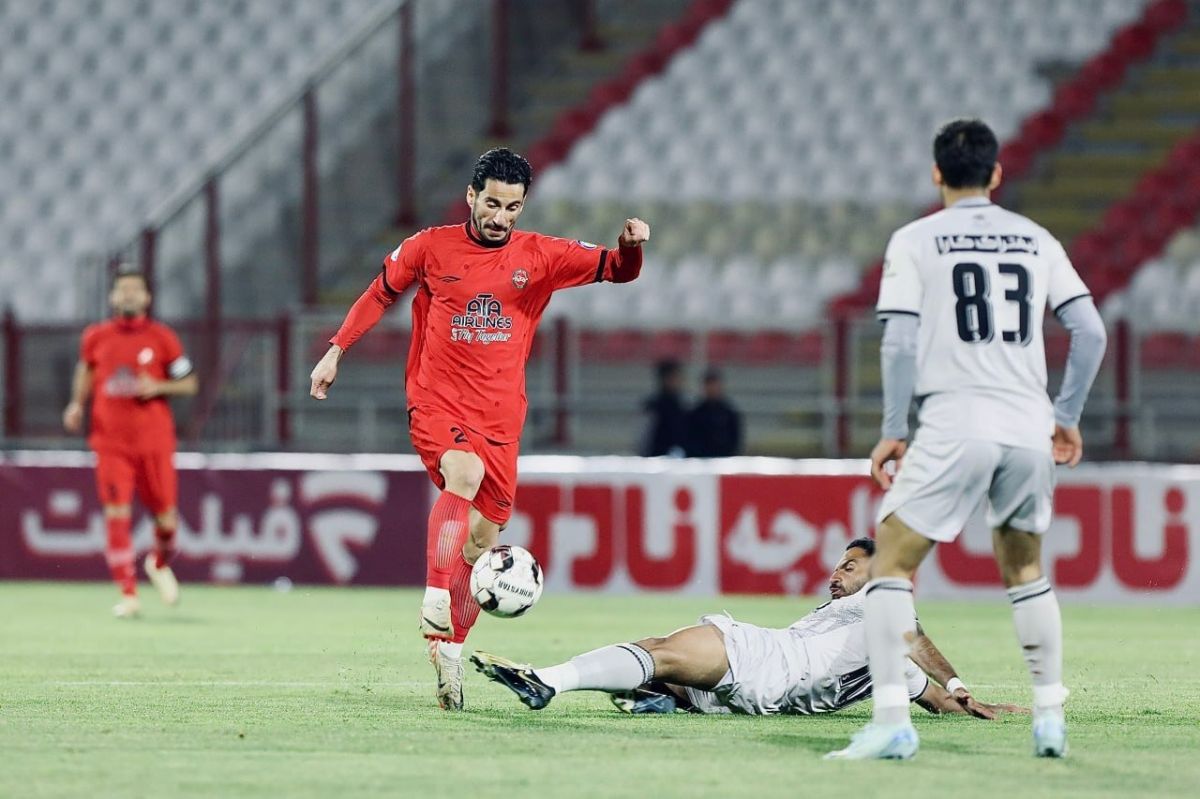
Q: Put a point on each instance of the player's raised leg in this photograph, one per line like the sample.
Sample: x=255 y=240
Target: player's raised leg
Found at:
x=1039 y=629
x=693 y=657
x=449 y=526
x=890 y=627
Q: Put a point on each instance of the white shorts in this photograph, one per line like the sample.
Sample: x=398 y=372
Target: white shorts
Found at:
x=941 y=483
x=763 y=670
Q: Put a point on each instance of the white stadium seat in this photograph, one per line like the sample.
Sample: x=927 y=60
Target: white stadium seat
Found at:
x=809 y=102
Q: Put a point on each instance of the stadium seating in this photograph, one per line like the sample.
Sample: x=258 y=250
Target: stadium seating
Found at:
x=111 y=105
x=843 y=87
x=1164 y=294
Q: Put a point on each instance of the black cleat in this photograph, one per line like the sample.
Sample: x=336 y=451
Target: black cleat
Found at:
x=640 y=701
x=518 y=678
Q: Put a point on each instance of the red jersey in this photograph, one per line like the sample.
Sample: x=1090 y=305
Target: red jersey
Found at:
x=475 y=313
x=117 y=351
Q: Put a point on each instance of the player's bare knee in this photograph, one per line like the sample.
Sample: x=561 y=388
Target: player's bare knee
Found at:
x=463 y=472
x=666 y=658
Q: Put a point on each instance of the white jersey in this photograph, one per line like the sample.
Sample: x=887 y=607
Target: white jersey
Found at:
x=818 y=665
x=834 y=640
x=979 y=278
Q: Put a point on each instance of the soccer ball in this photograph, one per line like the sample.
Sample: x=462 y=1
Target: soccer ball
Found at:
x=506 y=581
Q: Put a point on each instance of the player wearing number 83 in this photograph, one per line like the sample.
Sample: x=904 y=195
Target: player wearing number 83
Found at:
x=962 y=299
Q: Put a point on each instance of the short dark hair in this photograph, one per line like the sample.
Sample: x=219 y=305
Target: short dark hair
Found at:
x=865 y=544
x=667 y=367
x=965 y=150
x=504 y=165
x=128 y=270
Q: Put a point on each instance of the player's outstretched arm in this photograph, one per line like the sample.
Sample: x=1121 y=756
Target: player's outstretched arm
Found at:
x=931 y=661
x=325 y=372
x=938 y=700
x=81 y=389
x=366 y=312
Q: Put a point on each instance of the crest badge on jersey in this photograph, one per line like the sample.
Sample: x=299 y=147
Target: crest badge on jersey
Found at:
x=145 y=356
x=520 y=279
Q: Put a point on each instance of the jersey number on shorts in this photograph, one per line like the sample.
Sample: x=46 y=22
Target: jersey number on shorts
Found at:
x=459 y=436
x=973 y=310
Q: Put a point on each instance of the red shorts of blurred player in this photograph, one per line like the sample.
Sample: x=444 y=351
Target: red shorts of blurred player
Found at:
x=433 y=433
x=152 y=473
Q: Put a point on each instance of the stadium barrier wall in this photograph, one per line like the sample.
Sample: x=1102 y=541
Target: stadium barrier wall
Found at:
x=1122 y=532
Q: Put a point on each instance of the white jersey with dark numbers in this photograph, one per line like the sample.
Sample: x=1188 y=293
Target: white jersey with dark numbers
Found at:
x=979 y=278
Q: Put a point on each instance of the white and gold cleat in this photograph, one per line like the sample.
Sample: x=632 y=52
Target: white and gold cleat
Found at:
x=128 y=608
x=449 y=676
x=164 y=580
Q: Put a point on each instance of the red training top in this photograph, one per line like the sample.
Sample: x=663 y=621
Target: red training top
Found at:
x=475 y=313
x=117 y=351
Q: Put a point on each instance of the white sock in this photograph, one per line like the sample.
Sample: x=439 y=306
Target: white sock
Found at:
x=889 y=616
x=1039 y=629
x=620 y=667
x=449 y=649
x=434 y=594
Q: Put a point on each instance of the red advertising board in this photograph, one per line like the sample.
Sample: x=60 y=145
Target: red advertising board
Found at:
x=341 y=525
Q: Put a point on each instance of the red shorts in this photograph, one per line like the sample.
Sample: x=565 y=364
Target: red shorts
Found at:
x=433 y=433
x=151 y=473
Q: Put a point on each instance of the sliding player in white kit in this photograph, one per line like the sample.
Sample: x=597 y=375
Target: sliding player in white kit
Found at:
x=721 y=665
x=963 y=295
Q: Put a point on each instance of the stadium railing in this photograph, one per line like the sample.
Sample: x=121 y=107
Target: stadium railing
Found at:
x=803 y=393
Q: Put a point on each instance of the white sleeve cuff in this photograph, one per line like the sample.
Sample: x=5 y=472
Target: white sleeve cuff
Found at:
x=179 y=368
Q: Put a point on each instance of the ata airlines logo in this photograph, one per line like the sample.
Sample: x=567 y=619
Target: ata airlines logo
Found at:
x=484 y=321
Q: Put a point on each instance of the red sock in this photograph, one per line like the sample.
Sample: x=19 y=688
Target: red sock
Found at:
x=449 y=525
x=119 y=554
x=164 y=546
x=464 y=610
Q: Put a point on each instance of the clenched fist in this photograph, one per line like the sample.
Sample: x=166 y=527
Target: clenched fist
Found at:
x=634 y=233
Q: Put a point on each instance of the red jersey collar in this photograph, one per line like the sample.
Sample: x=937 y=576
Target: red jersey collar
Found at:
x=135 y=323
x=469 y=227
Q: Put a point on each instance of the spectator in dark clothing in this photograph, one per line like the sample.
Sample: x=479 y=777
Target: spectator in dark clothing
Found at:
x=666 y=432
x=714 y=425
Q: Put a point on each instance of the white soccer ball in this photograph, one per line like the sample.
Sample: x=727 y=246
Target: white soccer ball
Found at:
x=506 y=581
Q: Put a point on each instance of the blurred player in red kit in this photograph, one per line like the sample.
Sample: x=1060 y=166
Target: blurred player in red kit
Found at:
x=481 y=289
x=129 y=366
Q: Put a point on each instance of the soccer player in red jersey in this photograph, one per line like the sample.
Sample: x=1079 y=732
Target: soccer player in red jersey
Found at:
x=130 y=365
x=481 y=289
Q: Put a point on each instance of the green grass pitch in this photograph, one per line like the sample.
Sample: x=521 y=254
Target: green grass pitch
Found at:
x=325 y=693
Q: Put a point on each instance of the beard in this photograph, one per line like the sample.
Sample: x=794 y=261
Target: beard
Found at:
x=480 y=227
